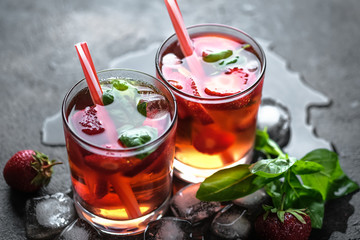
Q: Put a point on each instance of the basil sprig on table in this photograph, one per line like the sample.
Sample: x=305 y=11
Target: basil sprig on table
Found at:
x=306 y=183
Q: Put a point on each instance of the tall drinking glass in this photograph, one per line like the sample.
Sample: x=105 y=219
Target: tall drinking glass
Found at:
x=218 y=89
x=121 y=153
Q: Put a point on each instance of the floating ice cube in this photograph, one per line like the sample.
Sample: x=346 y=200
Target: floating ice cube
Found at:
x=156 y=105
x=276 y=118
x=232 y=223
x=79 y=230
x=47 y=216
x=184 y=204
x=171 y=59
x=168 y=228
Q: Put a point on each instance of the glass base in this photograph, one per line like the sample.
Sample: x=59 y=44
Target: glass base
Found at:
x=195 y=175
x=121 y=227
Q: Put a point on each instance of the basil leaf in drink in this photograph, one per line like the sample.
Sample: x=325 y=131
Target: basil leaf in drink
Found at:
x=246 y=46
x=270 y=168
x=123 y=110
x=228 y=184
x=120 y=85
x=331 y=182
x=231 y=61
x=107 y=97
x=216 y=56
x=306 y=167
x=133 y=137
x=141 y=107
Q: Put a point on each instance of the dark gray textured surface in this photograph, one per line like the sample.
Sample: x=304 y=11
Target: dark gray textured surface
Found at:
x=38 y=64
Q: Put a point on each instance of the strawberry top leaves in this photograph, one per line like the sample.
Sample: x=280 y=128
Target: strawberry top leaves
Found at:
x=320 y=173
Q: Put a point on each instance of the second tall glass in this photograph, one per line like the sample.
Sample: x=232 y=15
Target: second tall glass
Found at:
x=218 y=90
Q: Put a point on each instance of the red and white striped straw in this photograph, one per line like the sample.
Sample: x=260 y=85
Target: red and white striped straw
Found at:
x=186 y=44
x=89 y=72
x=120 y=183
x=179 y=26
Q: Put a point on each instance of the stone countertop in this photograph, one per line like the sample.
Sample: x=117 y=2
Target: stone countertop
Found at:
x=38 y=64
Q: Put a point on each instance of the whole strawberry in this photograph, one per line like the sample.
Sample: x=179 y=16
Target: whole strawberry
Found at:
x=28 y=170
x=283 y=225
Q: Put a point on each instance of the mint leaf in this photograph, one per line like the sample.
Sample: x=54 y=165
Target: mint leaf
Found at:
x=216 y=56
x=331 y=182
x=141 y=107
x=120 y=85
x=271 y=168
x=107 y=97
x=228 y=184
x=133 y=137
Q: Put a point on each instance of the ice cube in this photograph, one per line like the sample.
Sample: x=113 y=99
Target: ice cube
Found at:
x=168 y=228
x=171 y=59
x=276 y=118
x=232 y=223
x=184 y=204
x=79 y=230
x=47 y=216
x=253 y=202
x=156 y=105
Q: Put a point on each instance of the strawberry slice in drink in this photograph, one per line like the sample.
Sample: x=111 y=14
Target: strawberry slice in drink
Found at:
x=189 y=108
x=88 y=125
x=212 y=140
x=232 y=81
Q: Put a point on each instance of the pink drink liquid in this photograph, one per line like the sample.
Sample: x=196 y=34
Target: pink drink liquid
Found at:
x=96 y=173
x=217 y=110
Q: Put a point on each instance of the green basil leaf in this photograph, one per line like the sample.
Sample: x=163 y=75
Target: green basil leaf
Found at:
x=141 y=107
x=273 y=189
x=270 y=168
x=120 y=85
x=124 y=106
x=107 y=97
x=331 y=182
x=298 y=196
x=228 y=184
x=306 y=167
x=133 y=137
x=216 y=56
x=264 y=144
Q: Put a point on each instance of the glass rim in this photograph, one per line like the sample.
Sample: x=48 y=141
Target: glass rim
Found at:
x=127 y=149
x=221 y=99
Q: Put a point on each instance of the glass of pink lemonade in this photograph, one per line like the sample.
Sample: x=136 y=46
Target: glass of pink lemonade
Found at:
x=218 y=90
x=121 y=153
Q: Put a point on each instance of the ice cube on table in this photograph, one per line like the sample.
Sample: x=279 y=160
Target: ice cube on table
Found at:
x=232 y=223
x=79 y=230
x=276 y=118
x=168 y=228
x=184 y=204
x=253 y=202
x=47 y=216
